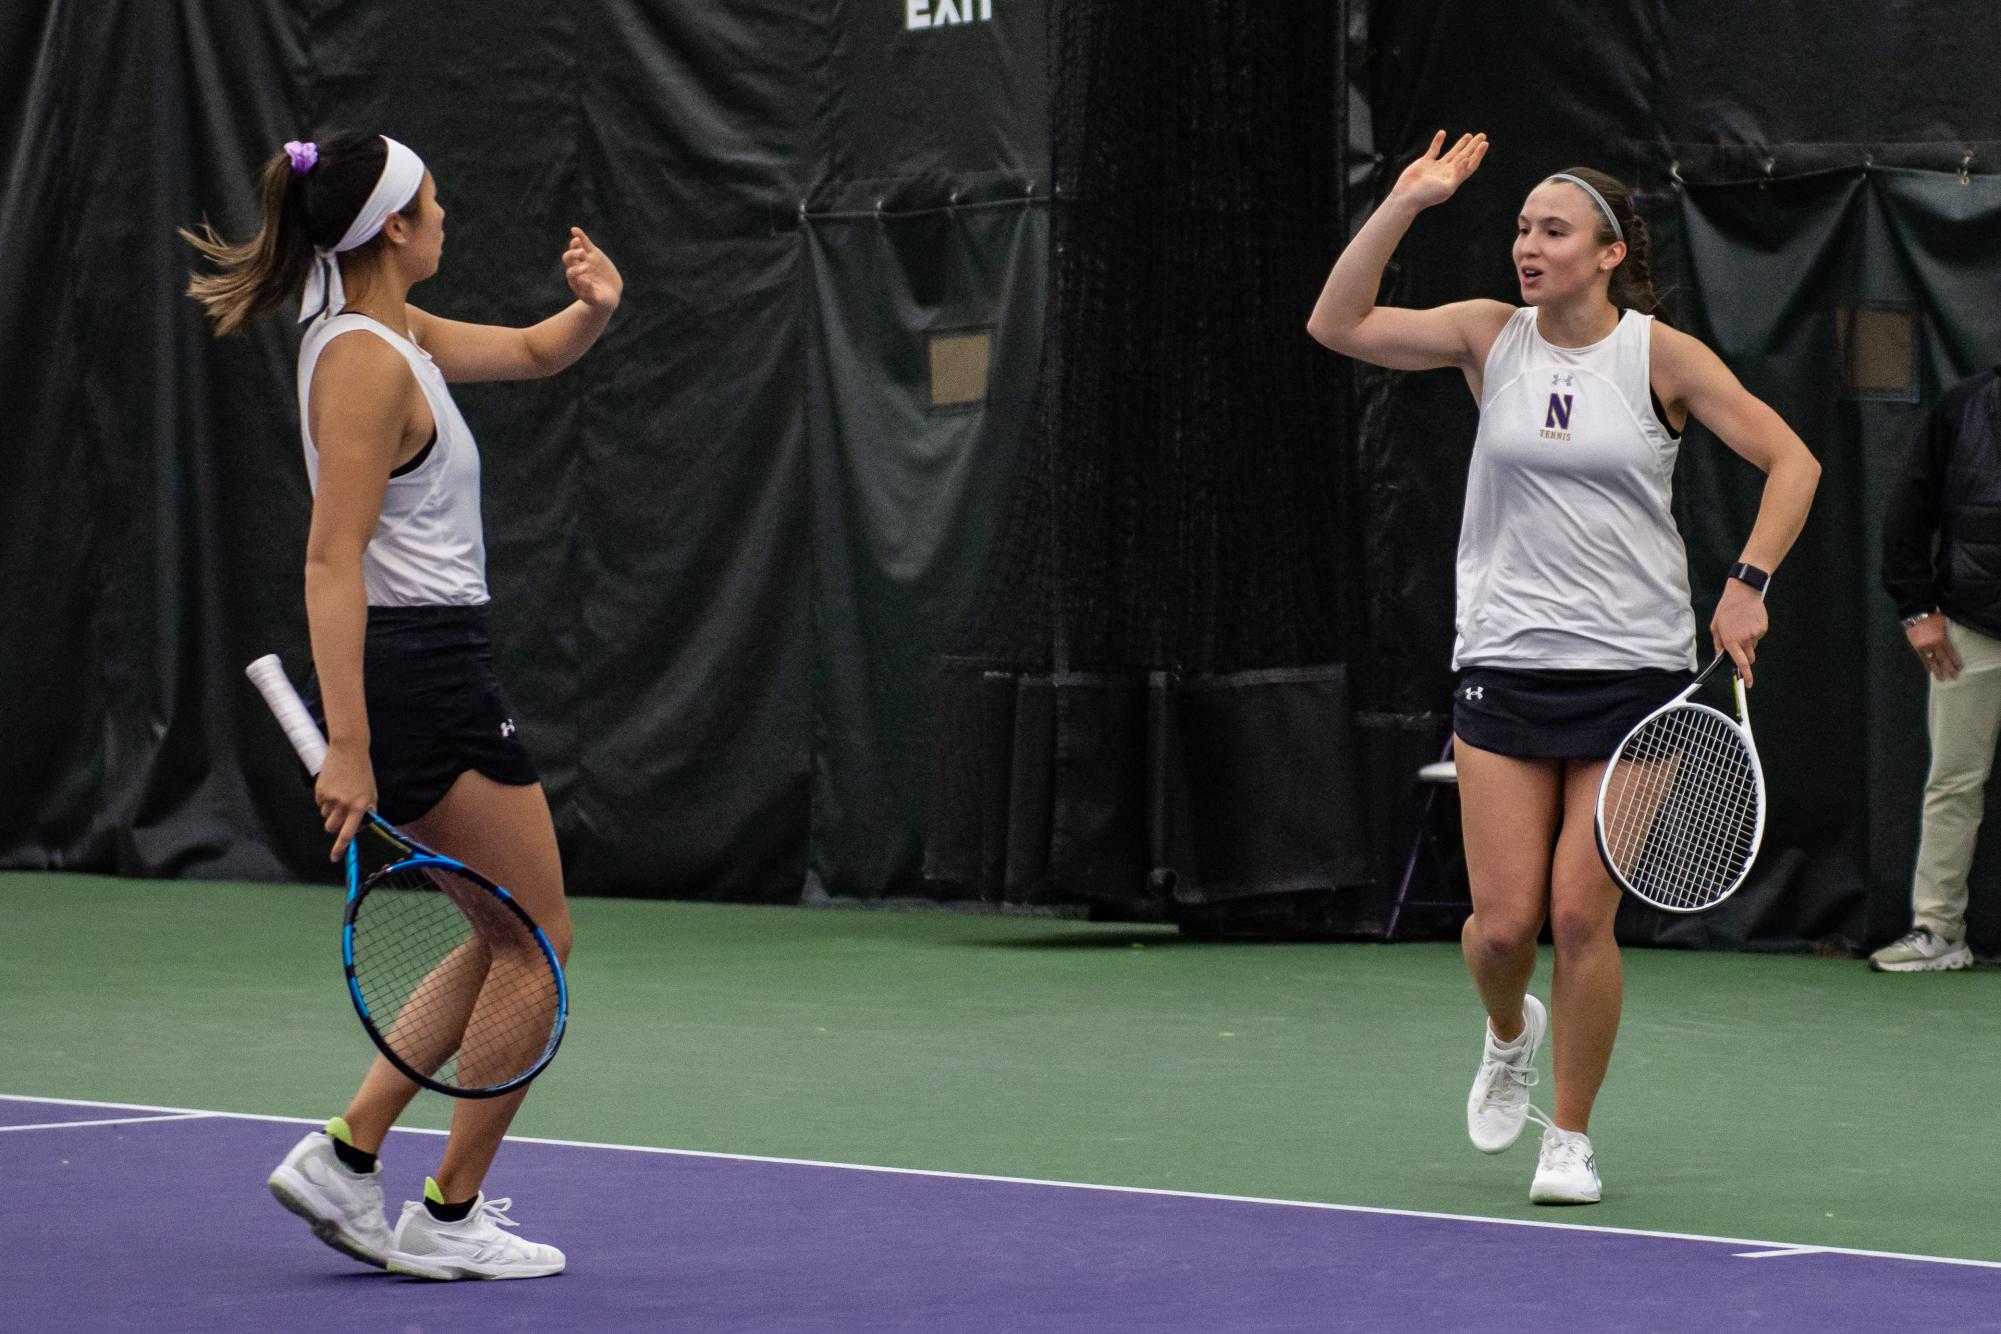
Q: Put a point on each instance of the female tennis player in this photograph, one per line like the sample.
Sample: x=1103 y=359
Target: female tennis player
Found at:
x=396 y=601
x=1573 y=612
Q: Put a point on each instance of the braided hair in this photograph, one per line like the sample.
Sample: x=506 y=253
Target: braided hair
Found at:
x=1633 y=280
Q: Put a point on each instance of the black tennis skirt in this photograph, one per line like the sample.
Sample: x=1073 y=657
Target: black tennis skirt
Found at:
x=1556 y=715
x=434 y=707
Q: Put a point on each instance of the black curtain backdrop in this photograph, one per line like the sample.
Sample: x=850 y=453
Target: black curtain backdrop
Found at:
x=701 y=539
x=893 y=528
x=724 y=545
x=1151 y=714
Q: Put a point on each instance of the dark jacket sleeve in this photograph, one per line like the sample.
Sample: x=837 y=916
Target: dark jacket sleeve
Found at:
x=1911 y=522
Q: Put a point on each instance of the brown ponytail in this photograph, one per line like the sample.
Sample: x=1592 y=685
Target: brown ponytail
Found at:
x=1633 y=279
x=300 y=210
x=253 y=276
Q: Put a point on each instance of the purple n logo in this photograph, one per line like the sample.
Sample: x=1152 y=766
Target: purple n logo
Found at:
x=1559 y=413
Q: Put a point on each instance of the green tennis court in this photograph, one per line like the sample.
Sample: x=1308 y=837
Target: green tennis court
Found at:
x=1801 y=1100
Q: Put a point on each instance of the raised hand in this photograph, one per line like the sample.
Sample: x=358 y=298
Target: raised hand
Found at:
x=591 y=274
x=1437 y=174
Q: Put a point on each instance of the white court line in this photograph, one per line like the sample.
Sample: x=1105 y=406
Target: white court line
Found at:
x=1757 y=1245
x=1781 y=1254
x=108 y=1121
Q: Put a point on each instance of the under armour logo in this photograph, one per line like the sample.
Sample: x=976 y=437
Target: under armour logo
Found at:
x=507 y=727
x=1474 y=693
x=1564 y=378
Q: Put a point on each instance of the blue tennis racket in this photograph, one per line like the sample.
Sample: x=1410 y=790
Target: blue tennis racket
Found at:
x=453 y=980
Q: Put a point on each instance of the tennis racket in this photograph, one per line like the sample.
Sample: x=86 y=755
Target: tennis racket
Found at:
x=1681 y=809
x=453 y=980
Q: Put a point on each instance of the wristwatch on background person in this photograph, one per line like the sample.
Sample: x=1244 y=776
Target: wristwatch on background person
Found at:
x=1917 y=616
x=1752 y=575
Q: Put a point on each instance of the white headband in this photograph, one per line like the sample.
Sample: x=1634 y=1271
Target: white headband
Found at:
x=1618 y=232
x=402 y=176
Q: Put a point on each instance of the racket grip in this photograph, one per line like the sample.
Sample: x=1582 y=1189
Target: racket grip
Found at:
x=268 y=675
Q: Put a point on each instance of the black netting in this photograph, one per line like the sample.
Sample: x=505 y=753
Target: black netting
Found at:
x=1152 y=713
x=1183 y=493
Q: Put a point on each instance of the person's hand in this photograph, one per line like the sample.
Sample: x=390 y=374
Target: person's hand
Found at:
x=1934 y=649
x=591 y=274
x=345 y=792
x=1739 y=623
x=1435 y=175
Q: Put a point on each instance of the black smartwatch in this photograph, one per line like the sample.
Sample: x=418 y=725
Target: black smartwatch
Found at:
x=1752 y=575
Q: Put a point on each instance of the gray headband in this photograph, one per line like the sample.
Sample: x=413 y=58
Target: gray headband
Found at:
x=1618 y=232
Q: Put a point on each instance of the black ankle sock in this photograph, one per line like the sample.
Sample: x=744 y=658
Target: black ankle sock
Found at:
x=353 y=1159
x=450 y=1213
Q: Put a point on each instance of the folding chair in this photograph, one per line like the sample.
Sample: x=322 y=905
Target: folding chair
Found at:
x=1433 y=778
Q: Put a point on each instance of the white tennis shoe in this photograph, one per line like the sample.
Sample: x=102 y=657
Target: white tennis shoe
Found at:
x=1567 y=1171
x=343 y=1207
x=473 y=1248
x=1498 y=1106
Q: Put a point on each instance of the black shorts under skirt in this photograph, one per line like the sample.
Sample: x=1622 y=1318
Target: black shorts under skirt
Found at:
x=1556 y=715
x=434 y=707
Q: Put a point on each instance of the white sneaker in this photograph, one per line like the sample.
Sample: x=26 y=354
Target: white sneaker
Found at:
x=1499 y=1103
x=1922 y=950
x=1567 y=1172
x=473 y=1248
x=344 y=1207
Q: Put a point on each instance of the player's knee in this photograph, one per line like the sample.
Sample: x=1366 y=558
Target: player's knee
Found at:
x=1502 y=937
x=1581 y=925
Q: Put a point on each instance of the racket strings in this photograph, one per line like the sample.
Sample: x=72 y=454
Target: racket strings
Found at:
x=1696 y=842
x=455 y=982
x=1681 y=823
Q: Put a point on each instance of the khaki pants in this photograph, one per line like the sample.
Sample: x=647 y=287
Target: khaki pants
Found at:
x=1965 y=720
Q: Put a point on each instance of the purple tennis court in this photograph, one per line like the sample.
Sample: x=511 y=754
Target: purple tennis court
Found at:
x=667 y=1240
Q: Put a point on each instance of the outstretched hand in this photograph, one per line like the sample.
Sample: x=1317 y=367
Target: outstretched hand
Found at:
x=1437 y=174
x=591 y=274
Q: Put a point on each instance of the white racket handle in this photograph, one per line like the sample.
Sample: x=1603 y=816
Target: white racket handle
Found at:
x=268 y=675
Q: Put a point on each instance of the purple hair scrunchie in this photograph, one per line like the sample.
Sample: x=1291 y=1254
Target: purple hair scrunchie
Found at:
x=304 y=156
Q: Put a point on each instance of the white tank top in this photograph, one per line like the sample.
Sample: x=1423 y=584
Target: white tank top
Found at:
x=429 y=548
x=1568 y=556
